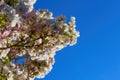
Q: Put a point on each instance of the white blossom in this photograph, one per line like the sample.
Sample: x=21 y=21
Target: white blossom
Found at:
x=15 y=20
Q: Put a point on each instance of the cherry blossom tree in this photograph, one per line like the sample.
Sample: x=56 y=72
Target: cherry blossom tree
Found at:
x=32 y=35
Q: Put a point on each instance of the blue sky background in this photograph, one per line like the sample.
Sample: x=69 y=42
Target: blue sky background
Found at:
x=96 y=56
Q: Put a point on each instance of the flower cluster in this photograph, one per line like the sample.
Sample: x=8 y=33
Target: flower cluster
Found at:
x=32 y=35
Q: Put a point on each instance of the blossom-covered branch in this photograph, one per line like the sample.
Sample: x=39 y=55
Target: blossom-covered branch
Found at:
x=33 y=35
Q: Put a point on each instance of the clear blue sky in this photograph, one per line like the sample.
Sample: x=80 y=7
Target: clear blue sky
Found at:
x=97 y=53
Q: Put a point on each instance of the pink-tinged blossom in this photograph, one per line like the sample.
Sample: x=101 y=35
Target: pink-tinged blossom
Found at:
x=6 y=33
